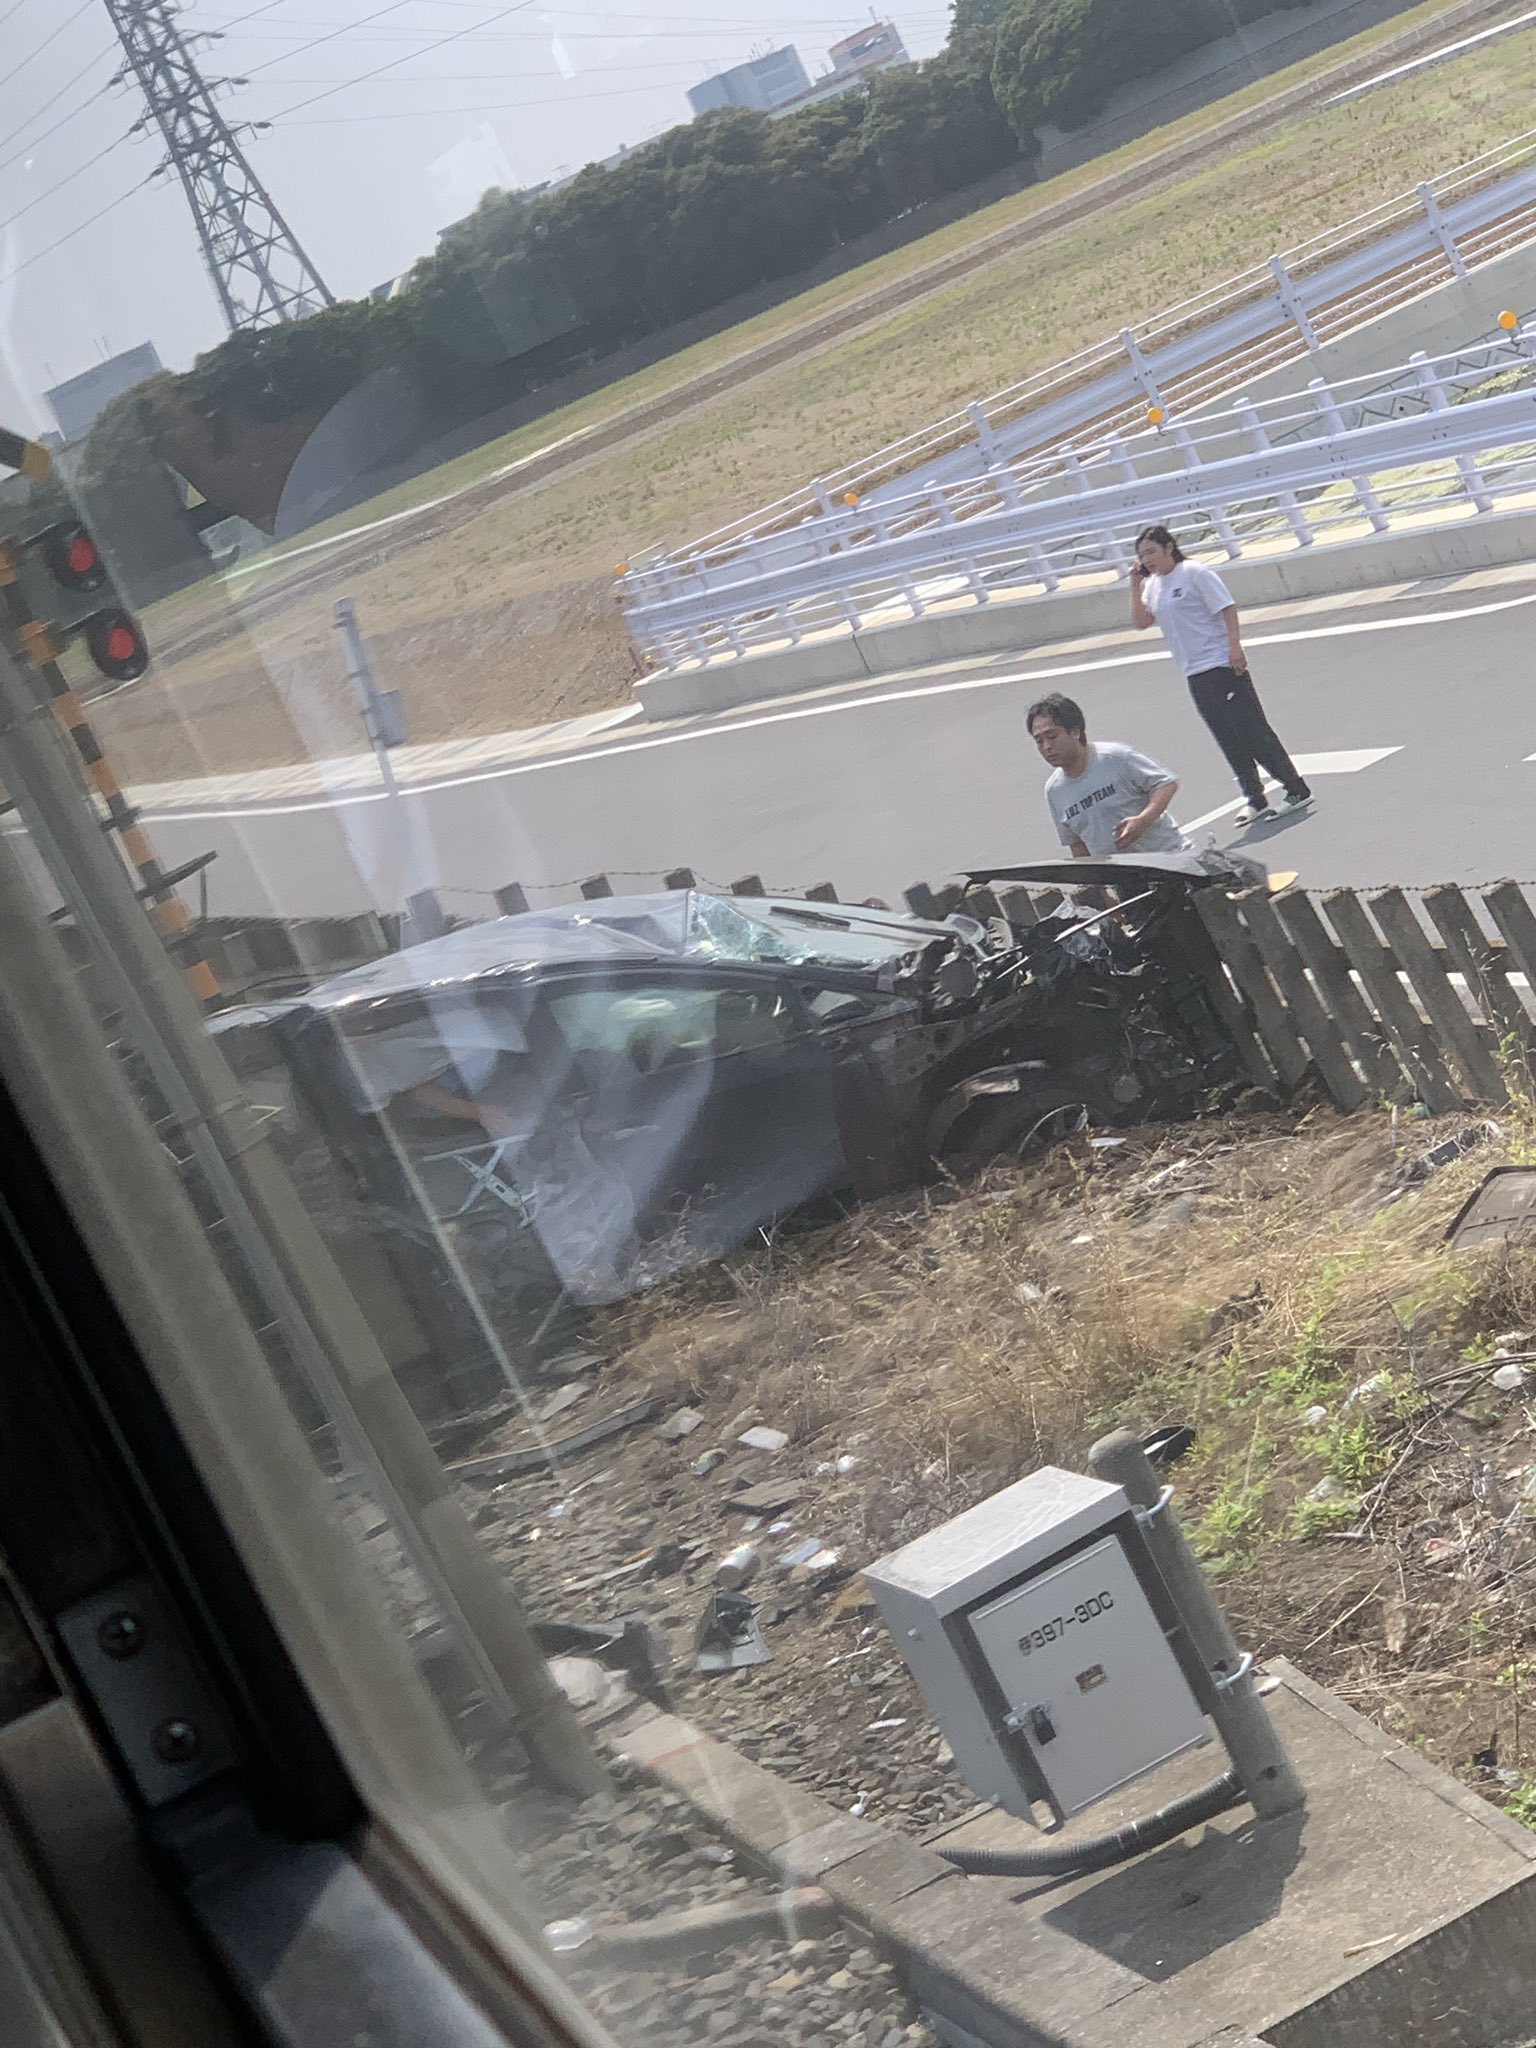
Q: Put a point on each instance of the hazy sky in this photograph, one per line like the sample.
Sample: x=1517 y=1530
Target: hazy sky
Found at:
x=365 y=169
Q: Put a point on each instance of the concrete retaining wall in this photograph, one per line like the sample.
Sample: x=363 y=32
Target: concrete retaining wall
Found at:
x=1025 y=624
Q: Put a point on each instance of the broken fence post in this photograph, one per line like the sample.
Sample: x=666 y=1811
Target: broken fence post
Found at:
x=1482 y=964
x=1324 y=1040
x=1415 y=1044
x=1321 y=956
x=1428 y=978
x=1277 y=1032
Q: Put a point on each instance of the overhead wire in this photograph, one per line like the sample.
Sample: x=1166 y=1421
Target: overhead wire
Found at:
x=346 y=84
x=68 y=178
x=69 y=19
x=53 y=98
x=70 y=233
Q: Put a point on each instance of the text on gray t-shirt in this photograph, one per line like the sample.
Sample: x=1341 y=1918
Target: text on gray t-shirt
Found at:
x=1114 y=786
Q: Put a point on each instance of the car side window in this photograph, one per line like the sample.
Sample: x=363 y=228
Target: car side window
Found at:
x=647 y=1026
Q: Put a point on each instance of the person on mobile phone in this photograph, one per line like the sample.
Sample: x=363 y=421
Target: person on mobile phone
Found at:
x=1198 y=617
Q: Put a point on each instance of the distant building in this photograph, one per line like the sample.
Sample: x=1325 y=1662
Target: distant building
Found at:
x=876 y=48
x=78 y=402
x=764 y=82
x=868 y=49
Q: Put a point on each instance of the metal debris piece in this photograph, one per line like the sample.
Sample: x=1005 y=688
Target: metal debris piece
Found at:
x=728 y=1637
x=1449 y=1150
x=631 y=1644
x=761 y=1439
x=739 y=1566
x=799 y=1553
x=682 y=1422
x=1503 y=1210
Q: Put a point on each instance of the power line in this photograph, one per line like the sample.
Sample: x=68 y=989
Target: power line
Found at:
x=497 y=107
x=37 y=141
x=38 y=112
x=68 y=178
x=64 y=24
x=394 y=63
x=59 y=241
x=346 y=29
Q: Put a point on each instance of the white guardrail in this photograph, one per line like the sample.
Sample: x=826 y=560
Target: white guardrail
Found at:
x=1185 y=356
x=1446 y=437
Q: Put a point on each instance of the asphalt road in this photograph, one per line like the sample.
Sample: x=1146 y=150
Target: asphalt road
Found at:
x=1415 y=719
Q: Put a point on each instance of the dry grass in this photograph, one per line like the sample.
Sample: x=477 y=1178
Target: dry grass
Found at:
x=1232 y=1277
x=506 y=621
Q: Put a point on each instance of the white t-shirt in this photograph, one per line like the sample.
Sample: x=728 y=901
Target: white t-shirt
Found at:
x=1187 y=604
x=1115 y=785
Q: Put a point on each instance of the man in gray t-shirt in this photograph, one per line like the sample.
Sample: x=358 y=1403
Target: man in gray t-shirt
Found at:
x=1104 y=798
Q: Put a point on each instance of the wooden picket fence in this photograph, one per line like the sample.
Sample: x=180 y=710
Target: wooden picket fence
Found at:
x=1382 y=995
x=1385 y=994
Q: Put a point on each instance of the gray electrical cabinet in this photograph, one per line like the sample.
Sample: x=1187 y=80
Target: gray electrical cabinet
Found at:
x=1038 y=1632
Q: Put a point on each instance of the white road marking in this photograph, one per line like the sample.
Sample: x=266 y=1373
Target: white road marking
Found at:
x=724 y=724
x=1343 y=761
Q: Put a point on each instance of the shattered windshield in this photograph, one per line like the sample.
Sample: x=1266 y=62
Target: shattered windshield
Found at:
x=725 y=932
x=738 y=777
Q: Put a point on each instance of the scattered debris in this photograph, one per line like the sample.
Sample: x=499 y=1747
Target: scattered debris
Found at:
x=1315 y=1416
x=666 y=1559
x=728 y=1636
x=761 y=1439
x=799 y=1553
x=1509 y=1379
x=587 y=1684
x=1329 y=1489
x=1448 y=1151
x=1373 y=1395
x=633 y=1645
x=507 y=1464
x=739 y=1566
x=797 y=1912
x=561 y=1399
x=1503 y=1208
x=770 y=1497
x=563 y=1936
x=1167 y=1446
x=845 y=1464
x=711 y=1461
x=682 y=1422
x=1028 y=1293
x=816 y=1569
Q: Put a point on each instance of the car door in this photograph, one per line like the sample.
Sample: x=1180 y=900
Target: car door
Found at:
x=711 y=1092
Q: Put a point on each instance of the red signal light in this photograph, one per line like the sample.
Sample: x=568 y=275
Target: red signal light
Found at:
x=73 y=558
x=115 y=644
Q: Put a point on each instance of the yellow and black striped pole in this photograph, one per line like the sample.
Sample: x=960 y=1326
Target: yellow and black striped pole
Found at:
x=34 y=643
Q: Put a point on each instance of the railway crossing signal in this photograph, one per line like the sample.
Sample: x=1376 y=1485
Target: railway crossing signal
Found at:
x=55 y=588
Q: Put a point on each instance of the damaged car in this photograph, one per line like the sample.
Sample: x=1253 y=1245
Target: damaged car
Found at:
x=580 y=1101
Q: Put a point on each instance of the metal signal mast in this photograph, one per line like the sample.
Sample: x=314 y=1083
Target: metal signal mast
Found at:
x=259 y=271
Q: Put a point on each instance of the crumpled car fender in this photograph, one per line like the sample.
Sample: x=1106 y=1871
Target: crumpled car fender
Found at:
x=1018 y=1077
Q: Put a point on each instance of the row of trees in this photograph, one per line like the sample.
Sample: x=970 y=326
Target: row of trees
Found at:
x=709 y=210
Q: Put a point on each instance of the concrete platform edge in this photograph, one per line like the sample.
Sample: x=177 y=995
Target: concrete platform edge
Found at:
x=961 y=1957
